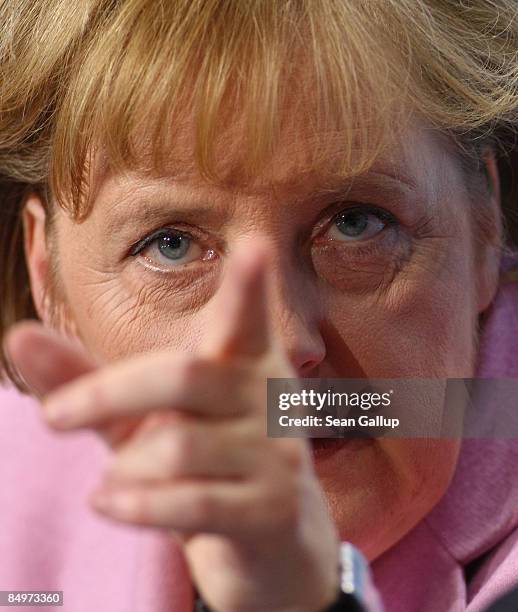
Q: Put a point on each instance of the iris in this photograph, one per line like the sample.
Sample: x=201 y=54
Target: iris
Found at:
x=352 y=223
x=173 y=246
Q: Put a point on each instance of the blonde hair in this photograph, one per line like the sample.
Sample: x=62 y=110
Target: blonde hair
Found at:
x=93 y=75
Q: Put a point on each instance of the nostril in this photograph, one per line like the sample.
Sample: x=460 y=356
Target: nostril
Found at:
x=309 y=369
x=307 y=363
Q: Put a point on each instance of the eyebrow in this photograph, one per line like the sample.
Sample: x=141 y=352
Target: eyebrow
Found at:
x=381 y=174
x=160 y=208
x=167 y=204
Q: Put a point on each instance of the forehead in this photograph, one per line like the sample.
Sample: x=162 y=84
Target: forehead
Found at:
x=410 y=177
x=291 y=166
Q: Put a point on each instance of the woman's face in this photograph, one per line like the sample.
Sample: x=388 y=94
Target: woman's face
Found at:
x=371 y=278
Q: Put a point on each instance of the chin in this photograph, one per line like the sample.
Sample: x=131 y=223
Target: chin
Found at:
x=379 y=489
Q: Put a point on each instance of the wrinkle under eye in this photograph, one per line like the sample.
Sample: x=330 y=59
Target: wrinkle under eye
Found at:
x=361 y=249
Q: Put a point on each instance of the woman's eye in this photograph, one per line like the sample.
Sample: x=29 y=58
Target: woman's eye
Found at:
x=356 y=224
x=168 y=249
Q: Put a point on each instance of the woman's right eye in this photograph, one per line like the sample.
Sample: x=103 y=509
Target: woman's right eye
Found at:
x=167 y=249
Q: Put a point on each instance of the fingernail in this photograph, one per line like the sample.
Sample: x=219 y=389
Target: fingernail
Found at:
x=58 y=414
x=119 y=502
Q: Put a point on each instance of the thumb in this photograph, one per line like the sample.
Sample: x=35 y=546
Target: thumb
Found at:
x=44 y=358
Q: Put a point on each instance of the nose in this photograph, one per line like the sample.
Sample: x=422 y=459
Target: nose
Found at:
x=295 y=316
x=305 y=355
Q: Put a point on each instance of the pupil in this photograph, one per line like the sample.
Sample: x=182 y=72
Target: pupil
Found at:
x=352 y=223
x=173 y=247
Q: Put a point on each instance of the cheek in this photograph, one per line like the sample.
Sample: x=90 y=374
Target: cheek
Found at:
x=406 y=478
x=422 y=324
x=125 y=326
x=118 y=314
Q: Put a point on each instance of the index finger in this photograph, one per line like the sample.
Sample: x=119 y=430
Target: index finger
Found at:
x=241 y=325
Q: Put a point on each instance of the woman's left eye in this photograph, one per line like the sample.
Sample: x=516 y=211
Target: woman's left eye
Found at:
x=168 y=248
x=355 y=224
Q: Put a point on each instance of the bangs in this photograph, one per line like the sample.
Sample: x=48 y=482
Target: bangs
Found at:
x=155 y=85
x=238 y=74
x=151 y=68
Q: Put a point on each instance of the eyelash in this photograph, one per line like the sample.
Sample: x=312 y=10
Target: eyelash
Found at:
x=143 y=243
x=384 y=215
x=370 y=246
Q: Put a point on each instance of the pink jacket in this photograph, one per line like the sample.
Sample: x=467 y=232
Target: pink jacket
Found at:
x=464 y=554
x=460 y=557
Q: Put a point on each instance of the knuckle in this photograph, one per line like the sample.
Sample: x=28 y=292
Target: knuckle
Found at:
x=204 y=509
x=191 y=369
x=277 y=510
x=288 y=507
x=99 y=396
x=139 y=508
x=178 y=447
x=293 y=453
